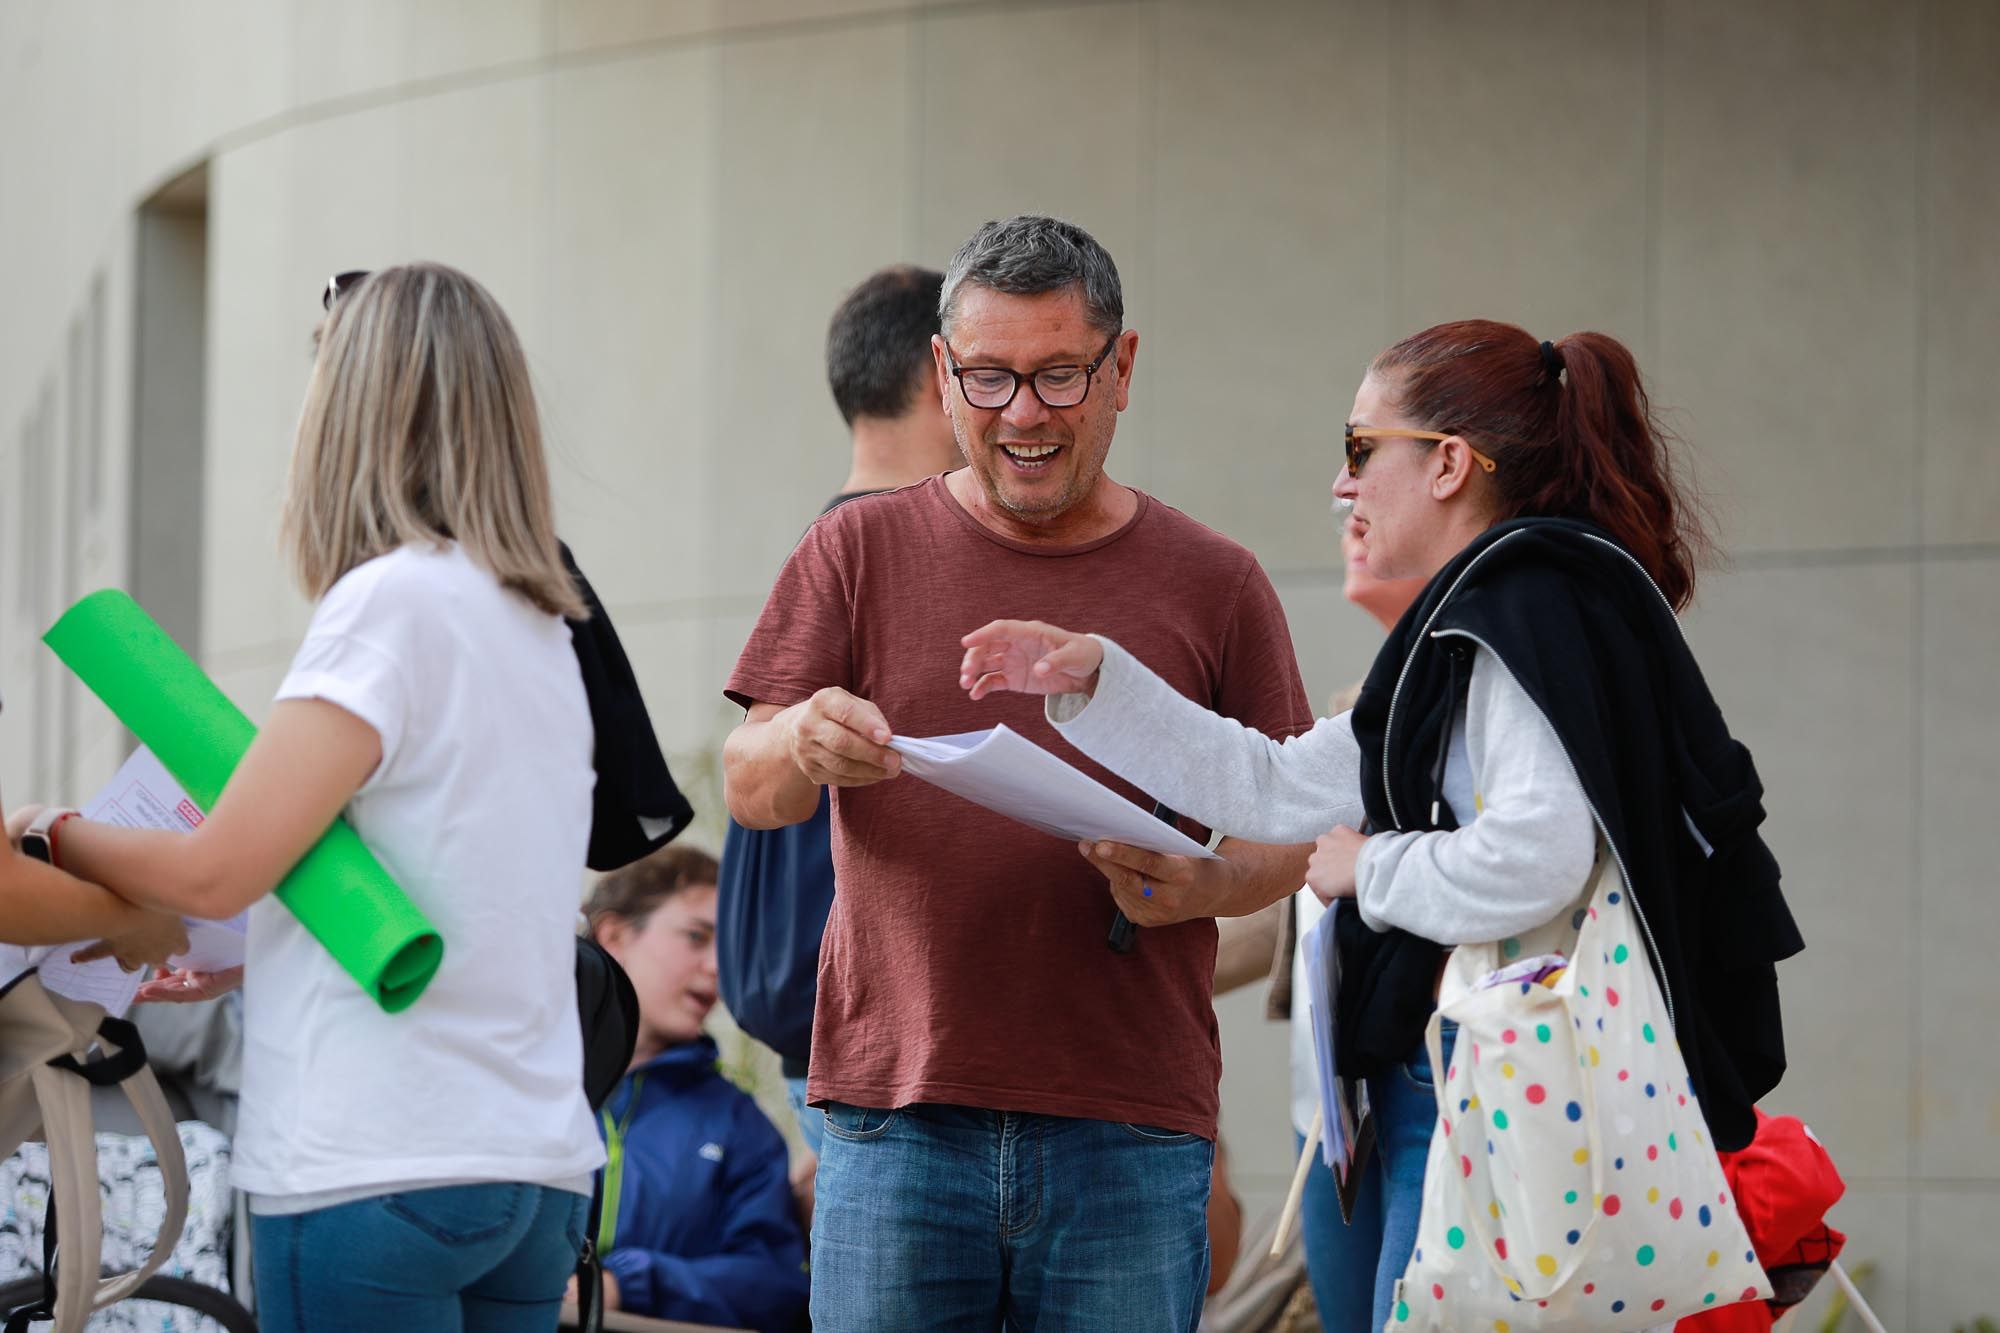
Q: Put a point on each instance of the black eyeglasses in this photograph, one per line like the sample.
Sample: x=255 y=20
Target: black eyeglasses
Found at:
x=990 y=388
x=339 y=285
x=1360 y=444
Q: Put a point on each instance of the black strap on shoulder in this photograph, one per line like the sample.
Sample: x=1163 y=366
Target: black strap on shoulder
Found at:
x=589 y=1266
x=111 y=1070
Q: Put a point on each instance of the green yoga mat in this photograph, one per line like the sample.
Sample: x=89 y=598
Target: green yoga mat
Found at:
x=339 y=891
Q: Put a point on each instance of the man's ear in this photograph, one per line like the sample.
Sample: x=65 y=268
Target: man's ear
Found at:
x=943 y=367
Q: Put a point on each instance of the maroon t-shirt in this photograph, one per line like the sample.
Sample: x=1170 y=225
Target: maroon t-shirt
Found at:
x=964 y=959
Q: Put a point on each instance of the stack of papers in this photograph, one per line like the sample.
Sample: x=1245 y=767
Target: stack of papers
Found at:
x=142 y=795
x=1342 y=1105
x=1011 y=775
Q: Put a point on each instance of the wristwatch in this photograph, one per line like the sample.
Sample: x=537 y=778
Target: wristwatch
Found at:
x=38 y=840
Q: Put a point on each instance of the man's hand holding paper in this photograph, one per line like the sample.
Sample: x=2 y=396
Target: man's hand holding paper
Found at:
x=839 y=740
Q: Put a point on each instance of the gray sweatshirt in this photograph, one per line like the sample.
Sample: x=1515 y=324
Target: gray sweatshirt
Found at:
x=1526 y=838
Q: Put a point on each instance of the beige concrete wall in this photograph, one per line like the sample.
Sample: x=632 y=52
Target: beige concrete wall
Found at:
x=1785 y=207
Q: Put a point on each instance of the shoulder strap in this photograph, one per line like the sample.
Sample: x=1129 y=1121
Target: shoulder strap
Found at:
x=62 y=1085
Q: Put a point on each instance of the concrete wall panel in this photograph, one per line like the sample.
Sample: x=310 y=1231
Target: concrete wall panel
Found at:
x=1787 y=258
x=1961 y=272
x=814 y=165
x=1271 y=294
x=626 y=385
x=1957 y=913
x=1825 y=654
x=1522 y=155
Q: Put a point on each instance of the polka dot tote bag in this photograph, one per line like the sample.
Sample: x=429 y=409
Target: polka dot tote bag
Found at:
x=1571 y=1183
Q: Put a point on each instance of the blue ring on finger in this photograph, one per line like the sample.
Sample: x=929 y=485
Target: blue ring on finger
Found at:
x=1145 y=888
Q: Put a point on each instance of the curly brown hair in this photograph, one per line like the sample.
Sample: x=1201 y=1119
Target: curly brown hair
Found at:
x=634 y=892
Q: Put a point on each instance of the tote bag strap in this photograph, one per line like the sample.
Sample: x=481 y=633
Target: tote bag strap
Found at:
x=1535 y=1285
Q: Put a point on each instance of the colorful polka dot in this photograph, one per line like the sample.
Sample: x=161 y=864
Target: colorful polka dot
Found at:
x=1749 y=1294
x=1644 y=1256
x=1569 y=1196
x=1499 y=1119
x=1465 y=1164
x=1437 y=1291
x=1573 y=1111
x=1652 y=1091
x=1508 y=1036
x=1573 y=1237
x=1613 y=899
x=1708 y=1299
x=1674 y=1209
x=1542 y=1032
x=1611 y=1205
x=1646 y=1031
x=1714 y=1258
x=1702 y=1215
x=1499 y=1326
x=1536 y=1094
x=1506 y=1069
x=1620 y=954
x=1455 y=1238
x=1500 y=1246
x=1673 y=1145
x=1617 y=1306
x=1652 y=1152
x=1653 y=1194
x=1580 y=1156
x=1659 y=1305
x=1402 y=1312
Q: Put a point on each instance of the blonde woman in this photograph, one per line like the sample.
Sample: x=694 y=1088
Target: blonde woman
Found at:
x=429 y=1169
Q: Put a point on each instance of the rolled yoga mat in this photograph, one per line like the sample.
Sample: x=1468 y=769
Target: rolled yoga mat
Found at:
x=338 y=891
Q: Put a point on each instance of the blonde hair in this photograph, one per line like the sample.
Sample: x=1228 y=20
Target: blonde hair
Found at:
x=419 y=425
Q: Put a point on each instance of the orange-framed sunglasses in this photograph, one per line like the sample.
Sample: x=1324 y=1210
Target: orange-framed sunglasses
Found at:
x=1357 y=453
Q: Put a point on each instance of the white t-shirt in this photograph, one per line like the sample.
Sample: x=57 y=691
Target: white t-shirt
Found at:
x=480 y=810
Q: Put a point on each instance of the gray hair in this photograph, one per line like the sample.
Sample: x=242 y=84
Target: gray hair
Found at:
x=1030 y=254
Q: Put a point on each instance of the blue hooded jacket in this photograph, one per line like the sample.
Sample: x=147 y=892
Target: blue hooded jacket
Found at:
x=707 y=1230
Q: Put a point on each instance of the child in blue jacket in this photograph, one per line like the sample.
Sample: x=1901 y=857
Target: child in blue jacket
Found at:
x=699 y=1219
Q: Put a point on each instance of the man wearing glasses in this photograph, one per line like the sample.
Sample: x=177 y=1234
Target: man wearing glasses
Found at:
x=1019 y=1121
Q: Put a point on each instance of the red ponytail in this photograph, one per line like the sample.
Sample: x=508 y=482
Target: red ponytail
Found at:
x=1571 y=429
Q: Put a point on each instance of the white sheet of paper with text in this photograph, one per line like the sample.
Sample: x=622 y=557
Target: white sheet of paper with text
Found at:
x=141 y=795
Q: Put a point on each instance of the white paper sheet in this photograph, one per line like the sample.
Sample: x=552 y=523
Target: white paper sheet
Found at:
x=1011 y=775
x=141 y=795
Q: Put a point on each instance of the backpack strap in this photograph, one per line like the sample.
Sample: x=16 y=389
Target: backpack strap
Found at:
x=62 y=1087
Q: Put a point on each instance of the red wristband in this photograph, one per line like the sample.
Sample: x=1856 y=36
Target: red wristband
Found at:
x=50 y=833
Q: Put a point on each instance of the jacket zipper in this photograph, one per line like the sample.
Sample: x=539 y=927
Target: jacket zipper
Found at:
x=1652 y=948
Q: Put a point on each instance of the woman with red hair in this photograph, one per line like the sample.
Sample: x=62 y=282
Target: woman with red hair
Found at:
x=1537 y=703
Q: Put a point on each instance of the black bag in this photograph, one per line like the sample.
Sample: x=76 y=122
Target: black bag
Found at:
x=608 y=1008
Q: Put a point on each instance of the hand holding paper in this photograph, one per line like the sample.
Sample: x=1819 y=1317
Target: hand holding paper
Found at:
x=840 y=740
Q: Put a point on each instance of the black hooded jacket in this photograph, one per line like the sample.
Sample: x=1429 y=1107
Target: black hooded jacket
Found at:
x=1582 y=629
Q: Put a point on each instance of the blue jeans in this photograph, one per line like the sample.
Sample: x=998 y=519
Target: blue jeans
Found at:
x=1354 y=1267
x=947 y=1217
x=812 y=1120
x=489 y=1258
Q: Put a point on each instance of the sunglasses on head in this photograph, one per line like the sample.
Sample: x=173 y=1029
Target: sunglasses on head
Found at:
x=339 y=285
x=1360 y=444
